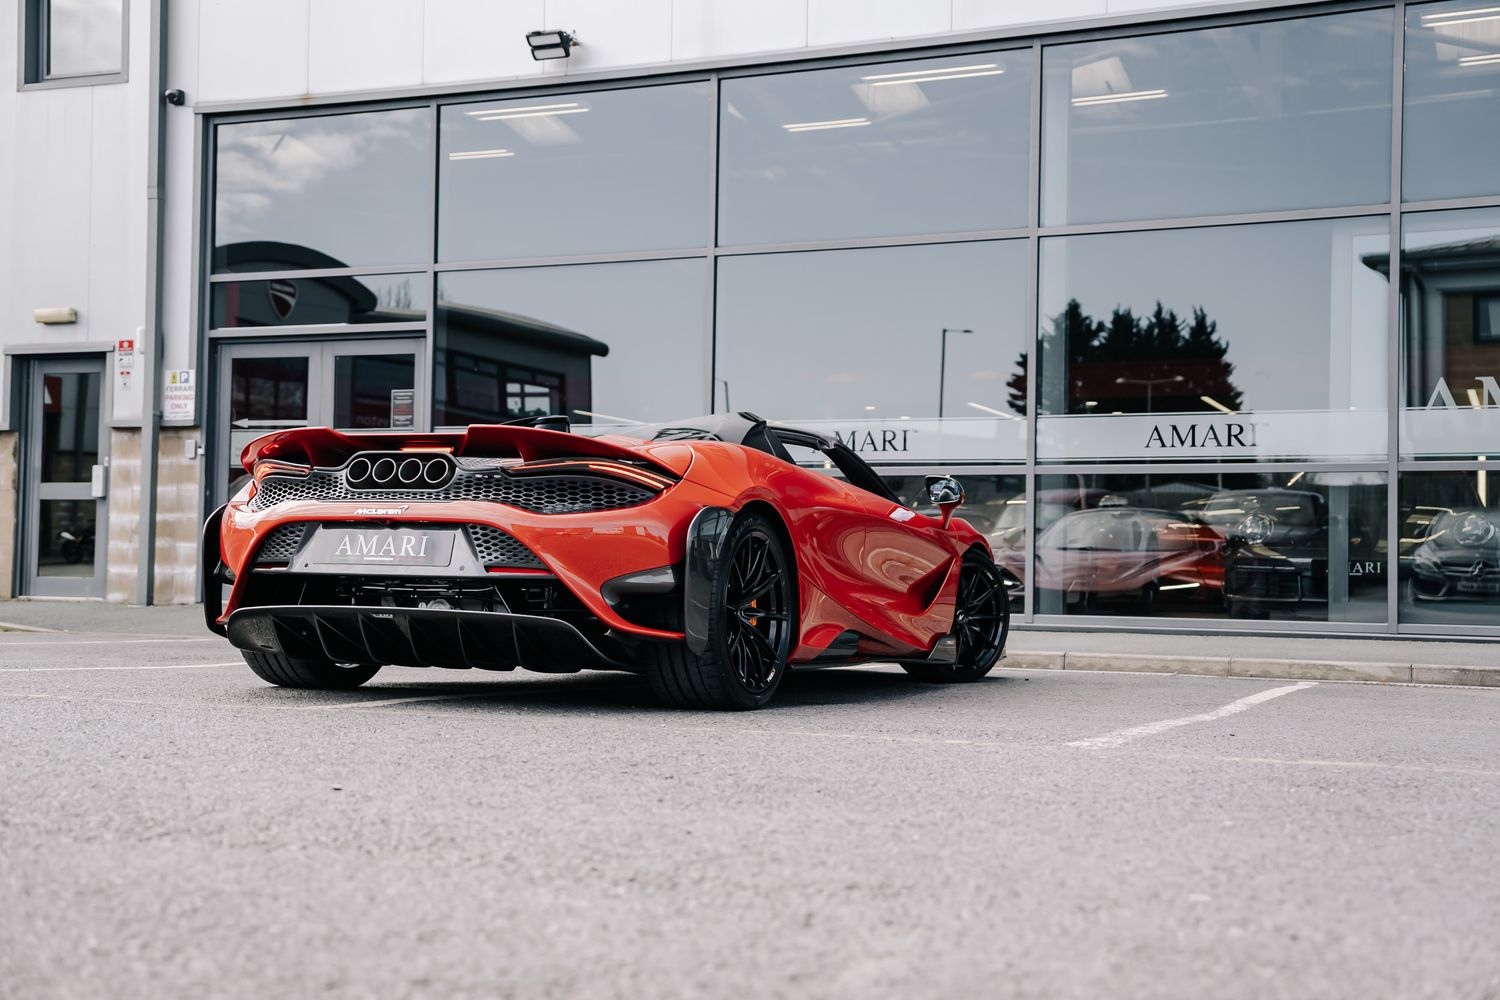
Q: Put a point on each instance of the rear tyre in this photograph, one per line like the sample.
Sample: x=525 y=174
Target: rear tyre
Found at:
x=318 y=675
x=752 y=627
x=981 y=621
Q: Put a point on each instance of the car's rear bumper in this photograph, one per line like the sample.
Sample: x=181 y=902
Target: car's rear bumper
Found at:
x=583 y=551
x=421 y=637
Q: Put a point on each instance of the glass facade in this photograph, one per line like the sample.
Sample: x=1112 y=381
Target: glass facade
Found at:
x=899 y=351
x=1151 y=293
x=891 y=149
x=1293 y=113
x=582 y=173
x=1164 y=346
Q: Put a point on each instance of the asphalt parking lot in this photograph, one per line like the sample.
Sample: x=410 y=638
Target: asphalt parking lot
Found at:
x=172 y=827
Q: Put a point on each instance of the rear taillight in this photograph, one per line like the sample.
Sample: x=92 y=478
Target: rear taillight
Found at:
x=648 y=478
x=278 y=467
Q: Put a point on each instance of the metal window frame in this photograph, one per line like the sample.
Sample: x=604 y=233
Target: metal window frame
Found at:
x=31 y=58
x=1035 y=37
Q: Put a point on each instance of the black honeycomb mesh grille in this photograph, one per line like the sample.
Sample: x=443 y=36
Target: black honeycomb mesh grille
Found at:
x=495 y=548
x=538 y=494
x=281 y=544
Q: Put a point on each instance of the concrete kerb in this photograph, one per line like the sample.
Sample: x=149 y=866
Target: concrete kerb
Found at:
x=16 y=627
x=1236 y=666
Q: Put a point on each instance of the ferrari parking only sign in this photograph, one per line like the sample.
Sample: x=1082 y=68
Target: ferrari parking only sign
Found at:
x=177 y=394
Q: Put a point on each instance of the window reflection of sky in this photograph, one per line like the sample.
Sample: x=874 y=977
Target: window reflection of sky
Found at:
x=353 y=187
x=858 y=333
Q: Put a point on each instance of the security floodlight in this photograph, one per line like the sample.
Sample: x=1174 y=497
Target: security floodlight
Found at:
x=549 y=44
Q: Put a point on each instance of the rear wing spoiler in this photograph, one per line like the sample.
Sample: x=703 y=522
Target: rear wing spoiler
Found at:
x=323 y=446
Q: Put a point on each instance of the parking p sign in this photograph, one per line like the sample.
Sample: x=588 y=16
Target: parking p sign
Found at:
x=177 y=392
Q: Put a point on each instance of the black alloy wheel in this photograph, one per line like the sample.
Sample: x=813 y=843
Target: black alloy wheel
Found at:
x=752 y=626
x=981 y=622
x=757 y=633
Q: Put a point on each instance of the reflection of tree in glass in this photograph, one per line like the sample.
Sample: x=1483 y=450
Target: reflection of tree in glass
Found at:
x=1135 y=365
x=396 y=296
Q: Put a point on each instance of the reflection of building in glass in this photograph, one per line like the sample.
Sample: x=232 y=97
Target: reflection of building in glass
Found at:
x=1451 y=302
x=308 y=301
x=494 y=365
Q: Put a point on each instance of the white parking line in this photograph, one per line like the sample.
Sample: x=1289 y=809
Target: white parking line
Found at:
x=109 y=642
x=391 y=701
x=1122 y=736
x=144 y=666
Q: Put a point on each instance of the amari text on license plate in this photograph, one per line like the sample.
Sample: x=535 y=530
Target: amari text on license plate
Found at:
x=383 y=546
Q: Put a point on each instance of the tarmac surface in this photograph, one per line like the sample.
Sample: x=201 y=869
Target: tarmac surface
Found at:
x=170 y=826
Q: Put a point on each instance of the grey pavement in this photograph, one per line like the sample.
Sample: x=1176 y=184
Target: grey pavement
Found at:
x=102 y=616
x=171 y=827
x=1311 y=657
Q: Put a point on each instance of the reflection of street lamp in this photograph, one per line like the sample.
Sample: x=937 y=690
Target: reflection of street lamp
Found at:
x=943 y=365
x=1149 y=383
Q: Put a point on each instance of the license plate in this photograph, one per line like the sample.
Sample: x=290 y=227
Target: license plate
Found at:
x=382 y=546
x=1475 y=586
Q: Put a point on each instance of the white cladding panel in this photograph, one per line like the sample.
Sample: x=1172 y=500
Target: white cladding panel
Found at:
x=972 y=15
x=363 y=44
x=287 y=48
x=467 y=40
x=54 y=160
x=707 y=29
x=840 y=22
x=252 y=50
x=612 y=33
x=117 y=183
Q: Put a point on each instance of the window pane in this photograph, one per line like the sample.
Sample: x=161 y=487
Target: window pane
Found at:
x=577 y=173
x=70 y=426
x=1450 y=294
x=1257 y=117
x=374 y=391
x=325 y=191
x=1450 y=122
x=603 y=343
x=1232 y=342
x=876 y=345
x=1283 y=546
x=369 y=298
x=66 y=543
x=84 y=37
x=937 y=145
x=1450 y=548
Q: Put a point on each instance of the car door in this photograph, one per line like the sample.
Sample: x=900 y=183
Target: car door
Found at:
x=903 y=557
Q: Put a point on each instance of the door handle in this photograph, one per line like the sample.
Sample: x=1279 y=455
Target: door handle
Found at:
x=99 y=482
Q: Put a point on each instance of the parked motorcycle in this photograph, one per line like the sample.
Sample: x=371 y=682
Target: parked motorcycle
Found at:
x=76 y=543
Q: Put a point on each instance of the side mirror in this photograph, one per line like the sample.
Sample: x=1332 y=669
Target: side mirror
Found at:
x=945 y=493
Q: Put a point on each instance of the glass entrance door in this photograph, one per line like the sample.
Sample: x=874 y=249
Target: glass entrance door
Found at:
x=67 y=448
x=352 y=385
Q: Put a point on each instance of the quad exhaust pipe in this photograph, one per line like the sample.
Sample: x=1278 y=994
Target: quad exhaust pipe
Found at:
x=374 y=471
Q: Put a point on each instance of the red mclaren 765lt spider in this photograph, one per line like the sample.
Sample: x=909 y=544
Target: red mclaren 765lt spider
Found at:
x=698 y=553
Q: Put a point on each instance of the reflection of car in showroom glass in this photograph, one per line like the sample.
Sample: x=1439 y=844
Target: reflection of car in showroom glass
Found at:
x=1120 y=553
x=1276 y=551
x=1460 y=558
